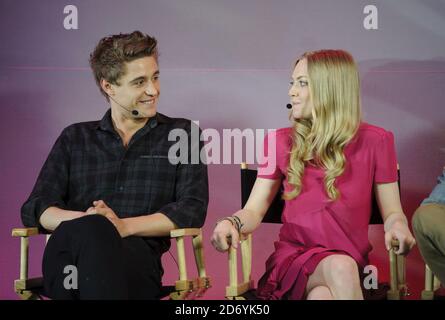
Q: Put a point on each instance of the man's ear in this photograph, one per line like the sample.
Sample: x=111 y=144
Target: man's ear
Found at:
x=107 y=87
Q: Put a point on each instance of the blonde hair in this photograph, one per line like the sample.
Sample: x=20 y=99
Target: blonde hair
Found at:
x=334 y=88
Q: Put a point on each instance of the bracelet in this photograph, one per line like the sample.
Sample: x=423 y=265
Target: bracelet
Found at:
x=239 y=225
x=225 y=218
x=234 y=220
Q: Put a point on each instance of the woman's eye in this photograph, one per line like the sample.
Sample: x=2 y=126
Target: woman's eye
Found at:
x=303 y=83
x=291 y=83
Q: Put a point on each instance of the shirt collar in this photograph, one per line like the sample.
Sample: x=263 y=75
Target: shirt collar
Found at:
x=106 y=123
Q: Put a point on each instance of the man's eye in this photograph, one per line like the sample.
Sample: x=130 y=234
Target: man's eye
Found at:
x=140 y=82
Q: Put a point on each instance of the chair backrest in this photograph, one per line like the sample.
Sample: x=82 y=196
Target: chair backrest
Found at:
x=273 y=214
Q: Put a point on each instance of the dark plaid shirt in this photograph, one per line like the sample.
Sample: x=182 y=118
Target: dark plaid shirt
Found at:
x=89 y=162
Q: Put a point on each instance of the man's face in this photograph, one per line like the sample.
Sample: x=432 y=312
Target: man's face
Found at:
x=138 y=88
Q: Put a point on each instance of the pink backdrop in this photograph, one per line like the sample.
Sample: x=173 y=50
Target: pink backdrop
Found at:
x=226 y=64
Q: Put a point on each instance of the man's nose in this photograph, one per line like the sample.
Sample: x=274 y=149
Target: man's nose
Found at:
x=151 y=89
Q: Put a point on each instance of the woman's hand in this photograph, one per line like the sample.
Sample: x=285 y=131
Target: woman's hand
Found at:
x=400 y=231
x=224 y=235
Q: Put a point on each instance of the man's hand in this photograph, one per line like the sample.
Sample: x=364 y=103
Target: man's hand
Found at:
x=100 y=207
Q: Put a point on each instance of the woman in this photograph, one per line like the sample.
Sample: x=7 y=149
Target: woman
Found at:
x=329 y=162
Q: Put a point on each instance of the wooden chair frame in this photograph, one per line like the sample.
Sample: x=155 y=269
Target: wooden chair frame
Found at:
x=185 y=288
x=432 y=283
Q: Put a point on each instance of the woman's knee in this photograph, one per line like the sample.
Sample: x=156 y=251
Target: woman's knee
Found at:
x=320 y=293
x=342 y=269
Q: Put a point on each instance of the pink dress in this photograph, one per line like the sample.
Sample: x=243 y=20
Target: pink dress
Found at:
x=315 y=227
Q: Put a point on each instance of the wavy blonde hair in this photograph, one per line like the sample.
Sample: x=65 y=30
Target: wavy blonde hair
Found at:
x=334 y=88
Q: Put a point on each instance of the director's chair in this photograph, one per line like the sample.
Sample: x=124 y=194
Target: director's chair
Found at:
x=395 y=290
x=184 y=288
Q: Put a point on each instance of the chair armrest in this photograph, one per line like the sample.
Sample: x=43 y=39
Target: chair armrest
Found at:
x=236 y=289
x=22 y=284
x=184 y=286
x=185 y=232
x=25 y=232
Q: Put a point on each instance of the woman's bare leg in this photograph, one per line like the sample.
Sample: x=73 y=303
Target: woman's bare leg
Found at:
x=320 y=293
x=339 y=273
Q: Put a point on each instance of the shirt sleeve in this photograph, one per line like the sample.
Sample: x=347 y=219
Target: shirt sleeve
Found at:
x=438 y=193
x=268 y=167
x=385 y=159
x=191 y=191
x=51 y=186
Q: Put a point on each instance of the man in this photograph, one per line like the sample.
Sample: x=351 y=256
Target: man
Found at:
x=429 y=229
x=108 y=191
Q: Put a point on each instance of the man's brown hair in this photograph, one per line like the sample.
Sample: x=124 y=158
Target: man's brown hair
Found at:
x=110 y=55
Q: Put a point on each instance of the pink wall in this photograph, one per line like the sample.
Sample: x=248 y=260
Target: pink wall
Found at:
x=226 y=64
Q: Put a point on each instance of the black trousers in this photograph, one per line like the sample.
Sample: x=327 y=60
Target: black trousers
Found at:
x=108 y=266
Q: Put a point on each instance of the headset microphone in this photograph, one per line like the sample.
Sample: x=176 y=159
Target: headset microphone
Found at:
x=289 y=106
x=133 y=112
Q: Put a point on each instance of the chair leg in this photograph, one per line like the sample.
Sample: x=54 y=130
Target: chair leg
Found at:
x=428 y=293
x=246 y=254
x=184 y=287
x=393 y=293
x=24 y=251
x=436 y=283
x=233 y=272
x=235 y=290
x=203 y=282
x=401 y=276
x=181 y=258
x=28 y=295
x=180 y=295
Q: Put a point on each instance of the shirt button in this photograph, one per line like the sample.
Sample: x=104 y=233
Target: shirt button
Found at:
x=121 y=188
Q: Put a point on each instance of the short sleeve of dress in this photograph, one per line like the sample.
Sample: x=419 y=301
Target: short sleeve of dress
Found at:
x=385 y=159
x=268 y=164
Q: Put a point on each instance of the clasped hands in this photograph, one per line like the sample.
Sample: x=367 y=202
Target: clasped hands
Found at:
x=100 y=207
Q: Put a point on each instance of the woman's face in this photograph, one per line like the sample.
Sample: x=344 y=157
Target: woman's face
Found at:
x=299 y=94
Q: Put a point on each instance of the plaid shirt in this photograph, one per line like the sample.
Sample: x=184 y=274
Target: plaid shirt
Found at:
x=89 y=162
